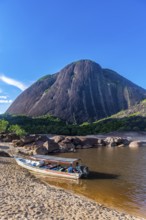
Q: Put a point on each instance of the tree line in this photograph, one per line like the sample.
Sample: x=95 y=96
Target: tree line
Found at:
x=22 y=125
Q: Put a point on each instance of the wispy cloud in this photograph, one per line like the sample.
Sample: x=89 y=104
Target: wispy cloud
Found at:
x=12 y=82
x=2 y=101
x=3 y=97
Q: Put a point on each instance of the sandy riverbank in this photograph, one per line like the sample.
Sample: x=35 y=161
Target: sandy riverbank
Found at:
x=24 y=197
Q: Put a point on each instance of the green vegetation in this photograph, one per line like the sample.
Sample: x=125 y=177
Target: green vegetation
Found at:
x=3 y=125
x=144 y=101
x=133 y=119
x=49 y=124
x=134 y=114
x=46 y=90
x=119 y=114
x=17 y=130
x=42 y=78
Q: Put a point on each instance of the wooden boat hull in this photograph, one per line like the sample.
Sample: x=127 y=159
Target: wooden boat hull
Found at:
x=21 y=162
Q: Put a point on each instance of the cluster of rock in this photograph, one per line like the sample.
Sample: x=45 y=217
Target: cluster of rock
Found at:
x=8 y=137
x=41 y=144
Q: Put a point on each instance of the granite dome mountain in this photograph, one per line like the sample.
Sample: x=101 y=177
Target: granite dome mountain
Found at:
x=82 y=91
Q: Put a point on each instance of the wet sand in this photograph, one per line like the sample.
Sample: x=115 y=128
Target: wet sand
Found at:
x=24 y=197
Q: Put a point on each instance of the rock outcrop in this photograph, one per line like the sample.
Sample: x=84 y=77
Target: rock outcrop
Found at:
x=4 y=154
x=44 y=145
x=82 y=91
x=135 y=144
x=8 y=137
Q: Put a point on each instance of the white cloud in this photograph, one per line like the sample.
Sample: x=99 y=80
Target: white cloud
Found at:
x=2 y=101
x=13 y=82
x=3 y=97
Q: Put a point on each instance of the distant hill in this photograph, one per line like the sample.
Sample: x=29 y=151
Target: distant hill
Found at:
x=82 y=91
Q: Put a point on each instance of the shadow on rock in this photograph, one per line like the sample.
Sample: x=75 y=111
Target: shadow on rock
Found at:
x=4 y=154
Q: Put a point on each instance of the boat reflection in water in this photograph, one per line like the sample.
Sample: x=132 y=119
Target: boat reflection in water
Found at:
x=58 y=182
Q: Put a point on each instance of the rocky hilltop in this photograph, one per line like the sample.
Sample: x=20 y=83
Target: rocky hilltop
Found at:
x=82 y=91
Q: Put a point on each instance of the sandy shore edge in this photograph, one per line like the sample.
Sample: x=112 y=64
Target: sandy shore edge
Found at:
x=22 y=196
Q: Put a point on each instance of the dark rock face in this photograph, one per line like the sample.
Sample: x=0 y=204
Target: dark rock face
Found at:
x=4 y=154
x=82 y=91
x=8 y=137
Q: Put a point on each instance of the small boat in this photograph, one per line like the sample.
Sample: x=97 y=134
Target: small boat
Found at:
x=54 y=166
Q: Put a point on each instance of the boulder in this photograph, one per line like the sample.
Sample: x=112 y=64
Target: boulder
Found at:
x=93 y=142
x=121 y=145
x=30 y=147
x=76 y=141
x=78 y=146
x=68 y=139
x=72 y=143
x=115 y=141
x=8 y=137
x=17 y=143
x=28 y=139
x=42 y=138
x=66 y=147
x=33 y=138
x=101 y=142
x=4 y=154
x=51 y=146
x=40 y=150
x=110 y=141
x=58 y=138
x=134 y=144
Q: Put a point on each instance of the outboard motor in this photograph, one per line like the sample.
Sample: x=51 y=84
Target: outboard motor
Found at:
x=84 y=171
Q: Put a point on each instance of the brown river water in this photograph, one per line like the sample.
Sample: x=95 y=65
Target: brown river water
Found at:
x=117 y=178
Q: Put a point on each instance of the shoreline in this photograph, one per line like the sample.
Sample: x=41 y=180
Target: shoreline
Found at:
x=23 y=196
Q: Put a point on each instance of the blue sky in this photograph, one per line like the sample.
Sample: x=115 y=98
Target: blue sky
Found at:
x=39 y=37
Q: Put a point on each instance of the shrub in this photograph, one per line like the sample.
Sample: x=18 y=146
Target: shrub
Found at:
x=17 y=130
x=3 y=125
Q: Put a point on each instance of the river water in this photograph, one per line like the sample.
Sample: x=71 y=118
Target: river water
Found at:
x=117 y=178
